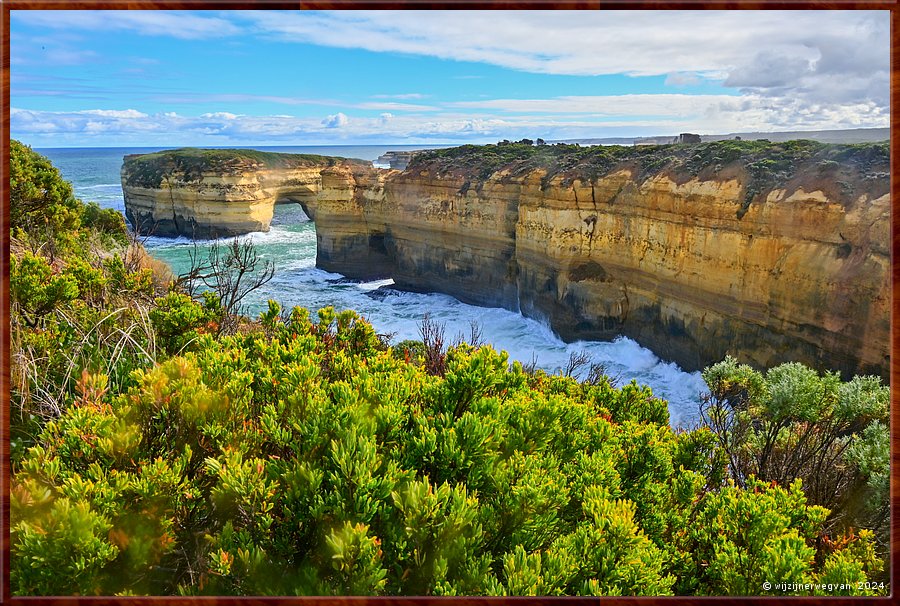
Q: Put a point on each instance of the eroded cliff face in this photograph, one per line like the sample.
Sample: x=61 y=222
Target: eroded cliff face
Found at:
x=693 y=266
x=685 y=266
x=195 y=194
x=799 y=277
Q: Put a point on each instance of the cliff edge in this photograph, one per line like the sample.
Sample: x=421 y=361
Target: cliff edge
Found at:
x=771 y=252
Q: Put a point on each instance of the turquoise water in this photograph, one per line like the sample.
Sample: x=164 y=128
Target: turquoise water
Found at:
x=290 y=244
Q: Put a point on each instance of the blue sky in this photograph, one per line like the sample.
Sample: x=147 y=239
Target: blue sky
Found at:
x=123 y=78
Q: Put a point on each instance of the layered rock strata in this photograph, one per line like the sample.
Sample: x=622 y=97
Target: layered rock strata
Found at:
x=218 y=193
x=723 y=260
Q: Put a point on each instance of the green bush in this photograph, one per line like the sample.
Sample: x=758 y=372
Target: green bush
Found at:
x=154 y=452
x=179 y=320
x=305 y=458
x=37 y=290
x=75 y=305
x=42 y=203
x=107 y=221
x=792 y=423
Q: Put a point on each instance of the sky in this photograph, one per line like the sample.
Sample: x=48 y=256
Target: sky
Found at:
x=207 y=78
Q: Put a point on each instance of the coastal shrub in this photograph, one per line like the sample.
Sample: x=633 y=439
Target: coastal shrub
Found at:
x=43 y=208
x=107 y=221
x=75 y=304
x=67 y=319
x=410 y=350
x=226 y=274
x=305 y=458
x=155 y=453
x=139 y=282
x=36 y=289
x=793 y=423
x=179 y=320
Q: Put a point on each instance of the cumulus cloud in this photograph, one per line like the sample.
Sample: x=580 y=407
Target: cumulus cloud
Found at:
x=114 y=113
x=837 y=69
x=223 y=115
x=335 y=121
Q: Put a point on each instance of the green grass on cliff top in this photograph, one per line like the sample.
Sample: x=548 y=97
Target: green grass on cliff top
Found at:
x=481 y=161
x=147 y=170
x=762 y=164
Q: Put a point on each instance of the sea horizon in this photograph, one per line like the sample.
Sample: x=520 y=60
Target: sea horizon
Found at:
x=254 y=146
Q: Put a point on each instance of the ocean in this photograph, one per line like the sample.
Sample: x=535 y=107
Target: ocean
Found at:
x=290 y=244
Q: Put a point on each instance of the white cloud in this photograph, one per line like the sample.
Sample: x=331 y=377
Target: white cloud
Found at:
x=177 y=24
x=335 y=121
x=223 y=115
x=281 y=100
x=609 y=105
x=709 y=44
x=834 y=63
x=583 y=42
x=830 y=56
x=626 y=115
x=114 y=113
x=682 y=79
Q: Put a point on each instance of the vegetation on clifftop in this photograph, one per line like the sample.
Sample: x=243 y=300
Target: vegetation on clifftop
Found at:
x=147 y=170
x=762 y=165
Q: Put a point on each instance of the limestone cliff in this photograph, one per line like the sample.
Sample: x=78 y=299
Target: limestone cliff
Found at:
x=769 y=252
x=206 y=193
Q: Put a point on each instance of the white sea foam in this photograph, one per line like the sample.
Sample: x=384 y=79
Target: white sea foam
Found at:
x=375 y=285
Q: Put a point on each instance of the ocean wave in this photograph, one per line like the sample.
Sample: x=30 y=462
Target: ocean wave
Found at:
x=117 y=186
x=275 y=235
x=374 y=285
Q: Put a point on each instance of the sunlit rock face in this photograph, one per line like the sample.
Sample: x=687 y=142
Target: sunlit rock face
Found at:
x=693 y=266
x=218 y=193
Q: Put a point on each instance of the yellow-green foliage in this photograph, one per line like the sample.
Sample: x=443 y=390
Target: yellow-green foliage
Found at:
x=78 y=295
x=307 y=458
x=44 y=211
x=41 y=200
x=793 y=423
